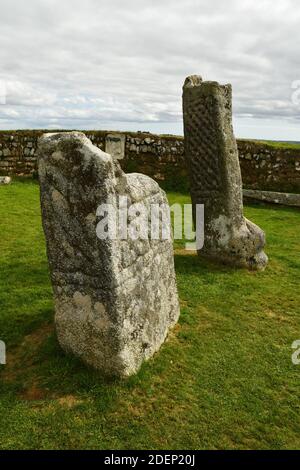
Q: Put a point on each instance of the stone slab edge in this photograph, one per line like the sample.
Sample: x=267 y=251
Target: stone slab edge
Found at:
x=286 y=199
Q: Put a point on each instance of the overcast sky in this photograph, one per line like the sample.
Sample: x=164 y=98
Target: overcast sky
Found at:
x=120 y=64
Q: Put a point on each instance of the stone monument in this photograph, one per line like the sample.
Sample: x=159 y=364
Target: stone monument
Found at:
x=115 y=299
x=215 y=177
x=115 y=145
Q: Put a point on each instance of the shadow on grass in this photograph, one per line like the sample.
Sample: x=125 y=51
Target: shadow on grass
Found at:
x=190 y=263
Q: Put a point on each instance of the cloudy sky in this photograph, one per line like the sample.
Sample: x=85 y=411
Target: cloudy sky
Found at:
x=116 y=64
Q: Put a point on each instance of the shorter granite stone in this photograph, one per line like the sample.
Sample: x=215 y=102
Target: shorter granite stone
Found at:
x=115 y=298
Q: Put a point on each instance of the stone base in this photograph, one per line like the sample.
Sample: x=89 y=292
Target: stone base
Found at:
x=242 y=248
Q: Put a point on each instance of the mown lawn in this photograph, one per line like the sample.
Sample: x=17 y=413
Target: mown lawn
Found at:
x=224 y=379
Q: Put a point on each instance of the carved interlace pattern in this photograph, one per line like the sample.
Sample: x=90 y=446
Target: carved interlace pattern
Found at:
x=202 y=147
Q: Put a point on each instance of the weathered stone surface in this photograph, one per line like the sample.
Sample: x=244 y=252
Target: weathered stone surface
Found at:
x=2 y=353
x=115 y=145
x=115 y=300
x=286 y=199
x=215 y=176
x=5 y=180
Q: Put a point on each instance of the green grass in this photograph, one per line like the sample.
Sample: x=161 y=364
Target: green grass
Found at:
x=224 y=378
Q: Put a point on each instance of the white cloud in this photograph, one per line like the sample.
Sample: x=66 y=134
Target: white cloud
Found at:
x=20 y=93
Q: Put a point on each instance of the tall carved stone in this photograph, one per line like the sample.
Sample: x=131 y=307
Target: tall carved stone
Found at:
x=115 y=299
x=215 y=176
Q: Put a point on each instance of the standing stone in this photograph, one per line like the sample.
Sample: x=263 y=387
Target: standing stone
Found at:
x=115 y=146
x=115 y=299
x=215 y=176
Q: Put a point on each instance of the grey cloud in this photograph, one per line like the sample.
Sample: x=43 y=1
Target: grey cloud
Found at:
x=79 y=64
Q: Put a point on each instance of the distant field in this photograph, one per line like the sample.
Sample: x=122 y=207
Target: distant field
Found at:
x=275 y=143
x=223 y=380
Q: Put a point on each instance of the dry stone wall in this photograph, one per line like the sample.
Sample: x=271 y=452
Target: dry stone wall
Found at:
x=162 y=158
x=269 y=168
